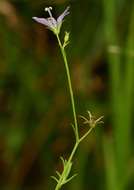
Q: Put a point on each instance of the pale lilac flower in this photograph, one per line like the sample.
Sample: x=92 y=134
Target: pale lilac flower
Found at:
x=52 y=23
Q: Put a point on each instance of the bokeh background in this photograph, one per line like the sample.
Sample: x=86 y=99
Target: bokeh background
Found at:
x=35 y=110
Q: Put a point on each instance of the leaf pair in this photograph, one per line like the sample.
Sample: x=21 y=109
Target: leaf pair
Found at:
x=62 y=178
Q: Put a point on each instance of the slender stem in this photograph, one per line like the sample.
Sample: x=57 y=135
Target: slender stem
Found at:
x=58 y=186
x=70 y=87
x=78 y=140
x=85 y=135
x=73 y=151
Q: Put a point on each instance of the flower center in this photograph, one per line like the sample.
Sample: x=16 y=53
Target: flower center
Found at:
x=48 y=9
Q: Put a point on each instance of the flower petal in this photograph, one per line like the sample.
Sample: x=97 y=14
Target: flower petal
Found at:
x=52 y=22
x=61 y=17
x=43 y=21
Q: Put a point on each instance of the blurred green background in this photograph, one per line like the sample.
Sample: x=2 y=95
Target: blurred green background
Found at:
x=35 y=110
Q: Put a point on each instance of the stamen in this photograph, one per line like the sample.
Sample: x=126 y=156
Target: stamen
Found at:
x=48 y=9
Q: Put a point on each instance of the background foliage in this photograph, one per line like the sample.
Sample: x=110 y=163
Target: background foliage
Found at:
x=35 y=112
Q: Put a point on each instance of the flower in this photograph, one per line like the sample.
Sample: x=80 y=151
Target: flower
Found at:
x=52 y=23
x=91 y=120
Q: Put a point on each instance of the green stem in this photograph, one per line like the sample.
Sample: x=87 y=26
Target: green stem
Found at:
x=85 y=135
x=70 y=87
x=73 y=151
x=78 y=140
x=58 y=186
x=77 y=143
